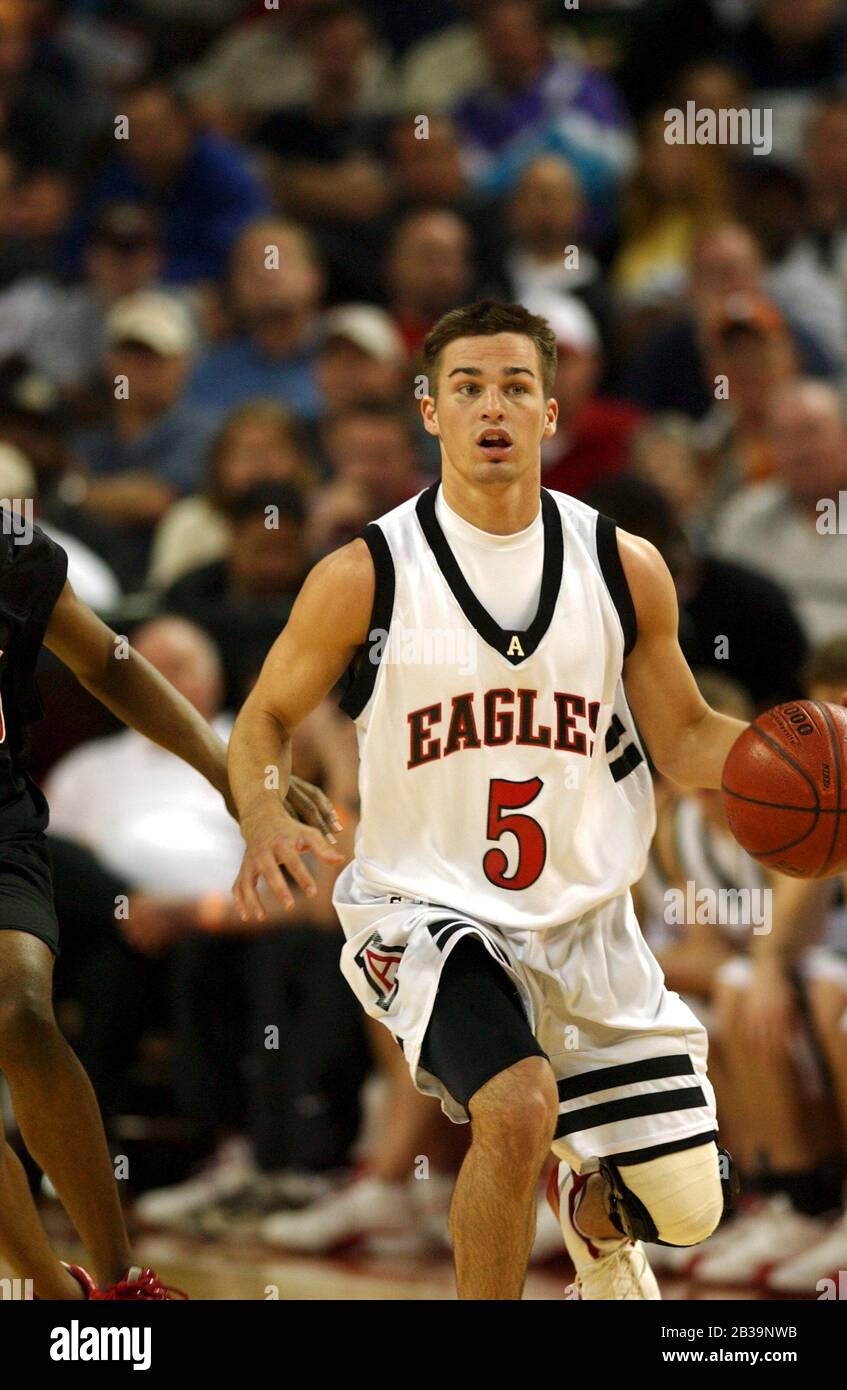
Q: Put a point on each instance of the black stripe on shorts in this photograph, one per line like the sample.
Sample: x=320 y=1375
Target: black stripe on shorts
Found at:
x=605 y=1078
x=630 y=1108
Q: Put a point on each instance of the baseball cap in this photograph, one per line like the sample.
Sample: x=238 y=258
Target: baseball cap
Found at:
x=159 y=321
x=569 y=319
x=369 y=328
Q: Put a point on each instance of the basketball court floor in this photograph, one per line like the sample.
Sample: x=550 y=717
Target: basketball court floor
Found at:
x=212 y=1270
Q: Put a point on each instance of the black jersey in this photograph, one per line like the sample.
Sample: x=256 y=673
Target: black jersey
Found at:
x=33 y=569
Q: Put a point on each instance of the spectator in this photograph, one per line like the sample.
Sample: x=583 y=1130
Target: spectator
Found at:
x=259 y=66
x=751 y=350
x=427 y=170
x=532 y=102
x=40 y=108
x=34 y=420
x=325 y=155
x=440 y=68
x=202 y=186
x=325 y=151
x=152 y=448
x=361 y=357
x=245 y=598
x=33 y=209
x=91 y=577
x=275 y=287
x=373 y=452
x=779 y=528
x=545 y=256
x=669 y=371
x=428 y=270
x=123 y=257
x=731 y=619
x=664 y=453
x=593 y=433
x=256 y=443
x=772 y=201
x=825 y=170
x=303 y=1096
x=673 y=191
x=157 y=827
x=786 y=51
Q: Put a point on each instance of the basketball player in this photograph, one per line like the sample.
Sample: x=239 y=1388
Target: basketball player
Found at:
x=53 y=1100
x=501 y=643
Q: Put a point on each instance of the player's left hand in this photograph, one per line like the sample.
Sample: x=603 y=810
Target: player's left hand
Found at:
x=275 y=841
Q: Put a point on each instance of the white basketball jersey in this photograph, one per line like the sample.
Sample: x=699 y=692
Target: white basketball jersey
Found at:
x=500 y=772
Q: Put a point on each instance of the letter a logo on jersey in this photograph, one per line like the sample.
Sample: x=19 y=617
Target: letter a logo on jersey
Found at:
x=515 y=648
x=380 y=964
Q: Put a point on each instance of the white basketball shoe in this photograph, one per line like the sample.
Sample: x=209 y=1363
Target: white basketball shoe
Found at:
x=614 y=1269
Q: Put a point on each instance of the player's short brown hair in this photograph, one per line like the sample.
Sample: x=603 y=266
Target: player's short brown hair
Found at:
x=483 y=320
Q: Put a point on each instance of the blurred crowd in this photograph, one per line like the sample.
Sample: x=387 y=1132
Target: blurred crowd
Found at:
x=225 y=230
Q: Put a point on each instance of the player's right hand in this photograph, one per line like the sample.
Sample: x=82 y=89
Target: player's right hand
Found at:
x=272 y=845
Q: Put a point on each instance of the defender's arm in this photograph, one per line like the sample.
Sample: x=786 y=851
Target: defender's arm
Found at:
x=133 y=689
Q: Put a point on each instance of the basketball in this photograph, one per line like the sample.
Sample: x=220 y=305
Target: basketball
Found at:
x=784 y=789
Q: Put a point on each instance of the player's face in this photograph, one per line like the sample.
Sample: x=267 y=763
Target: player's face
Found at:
x=491 y=414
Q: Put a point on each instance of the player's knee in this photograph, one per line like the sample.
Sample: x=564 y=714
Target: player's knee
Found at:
x=681 y=1192
x=518 y=1109
x=27 y=1024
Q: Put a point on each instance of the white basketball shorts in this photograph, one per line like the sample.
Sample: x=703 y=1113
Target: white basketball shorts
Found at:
x=628 y=1055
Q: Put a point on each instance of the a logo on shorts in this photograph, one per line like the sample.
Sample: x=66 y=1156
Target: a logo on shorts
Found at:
x=380 y=964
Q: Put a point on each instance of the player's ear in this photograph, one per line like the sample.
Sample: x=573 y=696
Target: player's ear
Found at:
x=430 y=414
x=551 y=415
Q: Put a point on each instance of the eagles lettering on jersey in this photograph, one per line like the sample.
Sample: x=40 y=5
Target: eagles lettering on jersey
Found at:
x=507 y=716
x=512 y=786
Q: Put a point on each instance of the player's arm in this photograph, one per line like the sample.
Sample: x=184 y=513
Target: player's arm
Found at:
x=128 y=685
x=328 y=623
x=688 y=741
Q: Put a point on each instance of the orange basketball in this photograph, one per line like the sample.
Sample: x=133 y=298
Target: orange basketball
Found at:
x=785 y=789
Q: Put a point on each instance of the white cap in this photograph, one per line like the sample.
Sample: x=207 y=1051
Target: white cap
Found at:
x=369 y=328
x=160 y=321
x=569 y=319
x=17 y=475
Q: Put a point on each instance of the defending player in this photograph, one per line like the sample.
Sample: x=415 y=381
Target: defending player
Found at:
x=52 y=1097
x=501 y=641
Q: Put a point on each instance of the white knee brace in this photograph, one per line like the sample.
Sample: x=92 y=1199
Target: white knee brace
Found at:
x=680 y=1194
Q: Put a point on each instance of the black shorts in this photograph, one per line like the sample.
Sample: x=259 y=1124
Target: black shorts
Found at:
x=477 y=1027
x=26 y=889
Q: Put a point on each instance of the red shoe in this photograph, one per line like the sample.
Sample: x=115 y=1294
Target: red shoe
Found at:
x=138 y=1283
x=83 y=1278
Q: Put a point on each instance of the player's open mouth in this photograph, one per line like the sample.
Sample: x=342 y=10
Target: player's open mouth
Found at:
x=495 y=444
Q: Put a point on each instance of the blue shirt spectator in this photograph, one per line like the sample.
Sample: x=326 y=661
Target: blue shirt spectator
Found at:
x=275 y=285
x=202 y=186
x=534 y=102
x=234 y=372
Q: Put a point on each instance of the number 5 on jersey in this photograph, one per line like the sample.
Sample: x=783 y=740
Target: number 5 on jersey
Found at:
x=504 y=798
